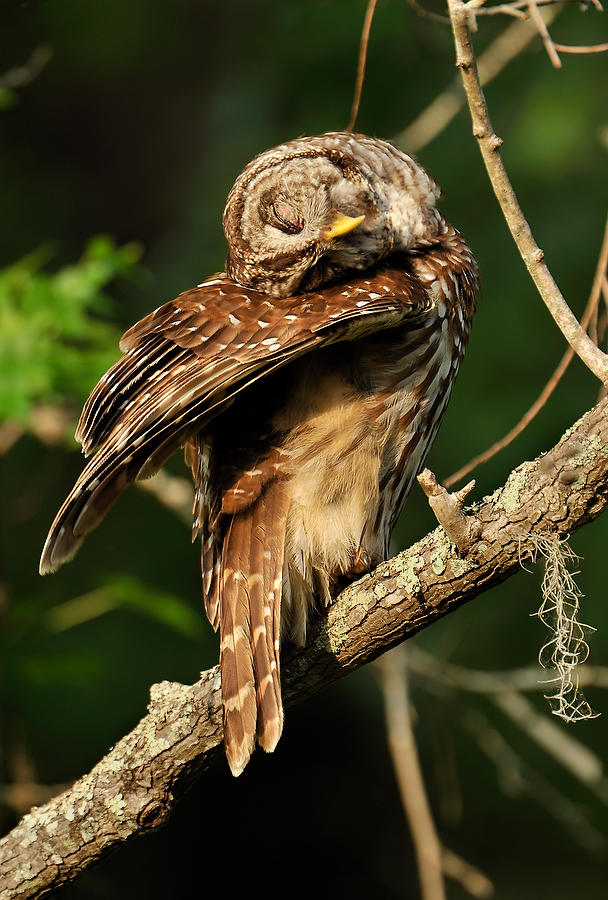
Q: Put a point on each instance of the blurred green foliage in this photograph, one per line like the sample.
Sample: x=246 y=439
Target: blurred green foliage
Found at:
x=128 y=593
x=53 y=343
x=136 y=128
x=8 y=98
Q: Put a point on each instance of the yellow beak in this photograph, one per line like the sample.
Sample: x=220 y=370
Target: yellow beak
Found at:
x=341 y=225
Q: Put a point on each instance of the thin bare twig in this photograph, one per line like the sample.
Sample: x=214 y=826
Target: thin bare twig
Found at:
x=504 y=689
x=367 y=25
x=446 y=106
x=49 y=424
x=10 y=433
x=505 y=9
x=21 y=796
x=574 y=756
x=591 y=48
x=516 y=776
x=544 y=33
x=406 y=763
x=469 y=877
x=476 y=681
x=432 y=858
x=20 y=76
x=587 y=318
x=531 y=254
x=517 y=429
x=427 y=13
x=521 y=6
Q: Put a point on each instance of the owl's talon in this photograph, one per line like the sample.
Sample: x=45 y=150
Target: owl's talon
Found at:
x=362 y=562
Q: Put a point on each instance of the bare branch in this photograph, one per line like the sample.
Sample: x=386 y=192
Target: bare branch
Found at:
x=577 y=759
x=516 y=776
x=427 y=13
x=49 y=424
x=529 y=678
x=472 y=880
x=446 y=106
x=590 y=48
x=133 y=789
x=406 y=763
x=544 y=33
x=505 y=689
x=432 y=858
x=23 y=75
x=367 y=25
x=482 y=8
x=529 y=250
x=587 y=319
x=462 y=530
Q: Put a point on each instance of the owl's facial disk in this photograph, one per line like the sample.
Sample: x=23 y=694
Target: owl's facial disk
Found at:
x=307 y=212
x=292 y=218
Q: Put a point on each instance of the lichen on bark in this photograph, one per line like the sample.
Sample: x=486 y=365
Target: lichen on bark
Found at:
x=133 y=789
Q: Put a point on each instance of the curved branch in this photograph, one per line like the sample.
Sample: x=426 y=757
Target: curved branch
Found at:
x=489 y=143
x=445 y=107
x=589 y=323
x=133 y=789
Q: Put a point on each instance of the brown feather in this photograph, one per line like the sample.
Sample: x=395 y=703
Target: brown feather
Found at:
x=205 y=512
x=305 y=415
x=252 y=562
x=236 y=659
x=153 y=399
x=271 y=519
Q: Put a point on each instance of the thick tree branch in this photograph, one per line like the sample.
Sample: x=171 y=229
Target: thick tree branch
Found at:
x=133 y=789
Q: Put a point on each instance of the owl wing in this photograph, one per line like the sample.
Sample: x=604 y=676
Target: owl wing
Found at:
x=185 y=362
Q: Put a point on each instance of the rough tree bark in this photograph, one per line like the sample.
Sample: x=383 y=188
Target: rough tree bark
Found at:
x=133 y=789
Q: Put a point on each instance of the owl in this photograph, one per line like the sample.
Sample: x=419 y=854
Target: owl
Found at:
x=305 y=383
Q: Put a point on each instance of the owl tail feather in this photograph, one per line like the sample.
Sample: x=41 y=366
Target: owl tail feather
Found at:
x=252 y=565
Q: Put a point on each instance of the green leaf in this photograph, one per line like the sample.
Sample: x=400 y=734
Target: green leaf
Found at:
x=124 y=592
x=55 y=337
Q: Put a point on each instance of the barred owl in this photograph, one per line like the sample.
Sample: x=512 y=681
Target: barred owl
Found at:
x=306 y=384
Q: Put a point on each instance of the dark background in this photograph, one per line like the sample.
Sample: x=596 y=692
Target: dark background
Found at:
x=136 y=128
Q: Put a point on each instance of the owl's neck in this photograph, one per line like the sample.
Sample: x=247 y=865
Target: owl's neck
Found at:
x=449 y=272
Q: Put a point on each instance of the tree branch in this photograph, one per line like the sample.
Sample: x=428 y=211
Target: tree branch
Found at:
x=446 y=105
x=408 y=771
x=589 y=323
x=489 y=143
x=133 y=789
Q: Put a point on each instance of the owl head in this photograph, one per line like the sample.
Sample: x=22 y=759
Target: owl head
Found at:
x=310 y=210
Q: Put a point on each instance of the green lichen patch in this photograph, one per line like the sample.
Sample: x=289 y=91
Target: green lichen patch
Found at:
x=116 y=805
x=587 y=451
x=438 y=564
x=409 y=582
x=380 y=590
x=442 y=549
x=69 y=812
x=29 y=838
x=512 y=490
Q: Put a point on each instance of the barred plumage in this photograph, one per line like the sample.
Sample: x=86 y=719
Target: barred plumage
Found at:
x=305 y=413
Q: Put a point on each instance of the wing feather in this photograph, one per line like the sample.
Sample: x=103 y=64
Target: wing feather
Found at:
x=187 y=361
